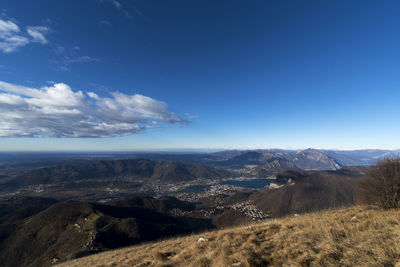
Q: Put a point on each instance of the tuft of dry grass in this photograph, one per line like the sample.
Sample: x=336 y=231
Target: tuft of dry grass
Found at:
x=356 y=236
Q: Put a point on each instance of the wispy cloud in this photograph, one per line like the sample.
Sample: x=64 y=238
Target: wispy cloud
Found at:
x=58 y=111
x=38 y=33
x=191 y=117
x=130 y=12
x=81 y=59
x=70 y=56
x=116 y=4
x=11 y=36
x=105 y=23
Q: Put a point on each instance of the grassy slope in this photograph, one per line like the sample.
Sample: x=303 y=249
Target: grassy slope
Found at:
x=356 y=236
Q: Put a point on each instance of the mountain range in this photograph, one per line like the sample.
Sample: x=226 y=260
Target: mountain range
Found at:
x=211 y=166
x=308 y=159
x=14 y=162
x=130 y=169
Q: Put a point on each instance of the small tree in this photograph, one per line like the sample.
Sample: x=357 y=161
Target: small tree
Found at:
x=382 y=184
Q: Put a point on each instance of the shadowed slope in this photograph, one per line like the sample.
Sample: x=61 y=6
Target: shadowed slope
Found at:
x=306 y=192
x=72 y=229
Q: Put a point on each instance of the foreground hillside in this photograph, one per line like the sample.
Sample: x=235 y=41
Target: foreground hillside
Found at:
x=357 y=236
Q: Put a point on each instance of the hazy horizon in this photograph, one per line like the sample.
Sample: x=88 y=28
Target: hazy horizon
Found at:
x=189 y=150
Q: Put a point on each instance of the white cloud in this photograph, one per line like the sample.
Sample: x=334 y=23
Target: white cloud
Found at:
x=11 y=44
x=11 y=37
x=8 y=27
x=58 y=111
x=37 y=33
x=93 y=95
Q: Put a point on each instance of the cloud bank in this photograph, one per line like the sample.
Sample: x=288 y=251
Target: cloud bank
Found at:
x=58 y=111
x=11 y=36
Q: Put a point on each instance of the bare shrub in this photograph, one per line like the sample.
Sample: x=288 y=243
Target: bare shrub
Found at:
x=382 y=185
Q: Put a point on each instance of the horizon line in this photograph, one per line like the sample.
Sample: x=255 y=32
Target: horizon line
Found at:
x=182 y=150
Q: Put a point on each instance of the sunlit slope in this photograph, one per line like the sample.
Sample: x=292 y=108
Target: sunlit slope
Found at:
x=356 y=236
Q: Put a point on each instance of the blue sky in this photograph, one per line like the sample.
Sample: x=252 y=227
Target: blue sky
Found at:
x=137 y=75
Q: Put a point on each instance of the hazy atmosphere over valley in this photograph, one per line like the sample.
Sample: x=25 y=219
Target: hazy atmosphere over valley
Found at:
x=199 y=133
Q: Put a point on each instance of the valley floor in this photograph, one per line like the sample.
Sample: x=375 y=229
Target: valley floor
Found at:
x=356 y=236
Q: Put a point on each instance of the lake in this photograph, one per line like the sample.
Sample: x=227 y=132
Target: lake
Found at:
x=253 y=183
x=195 y=188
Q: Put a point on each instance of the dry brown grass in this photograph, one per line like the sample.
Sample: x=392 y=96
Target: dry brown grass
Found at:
x=357 y=236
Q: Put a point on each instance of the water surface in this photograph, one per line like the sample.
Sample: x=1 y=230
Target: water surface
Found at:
x=253 y=183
